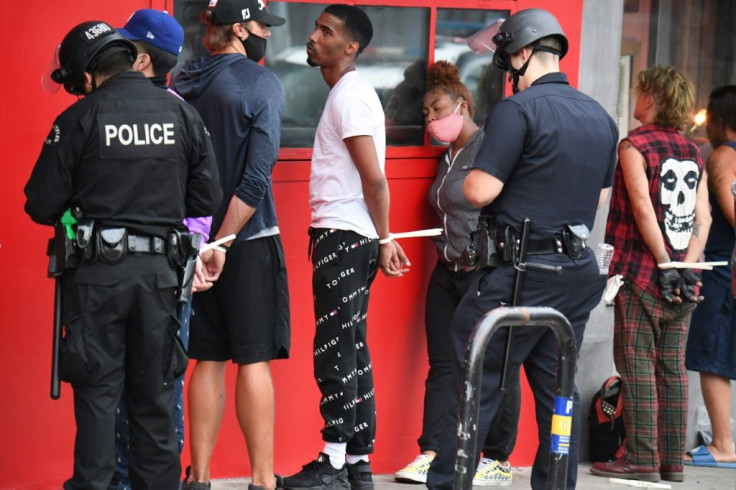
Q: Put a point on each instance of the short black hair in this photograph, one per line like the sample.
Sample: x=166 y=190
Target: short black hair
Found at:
x=722 y=106
x=357 y=24
x=117 y=62
x=162 y=60
x=554 y=41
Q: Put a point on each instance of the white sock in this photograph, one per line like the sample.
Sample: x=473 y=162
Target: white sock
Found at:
x=355 y=458
x=336 y=452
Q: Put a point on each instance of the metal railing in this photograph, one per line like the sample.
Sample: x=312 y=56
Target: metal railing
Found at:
x=468 y=418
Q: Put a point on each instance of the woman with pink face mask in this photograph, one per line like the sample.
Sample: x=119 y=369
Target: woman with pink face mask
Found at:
x=448 y=114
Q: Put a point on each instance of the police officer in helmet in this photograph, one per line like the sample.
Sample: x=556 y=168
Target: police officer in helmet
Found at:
x=134 y=161
x=548 y=155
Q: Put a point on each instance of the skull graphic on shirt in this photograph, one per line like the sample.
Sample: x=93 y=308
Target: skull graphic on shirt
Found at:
x=677 y=190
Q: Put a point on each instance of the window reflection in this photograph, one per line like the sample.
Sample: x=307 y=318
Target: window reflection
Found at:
x=188 y=13
x=484 y=81
x=394 y=63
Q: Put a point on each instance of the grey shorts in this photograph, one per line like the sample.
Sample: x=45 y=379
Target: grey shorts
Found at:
x=245 y=315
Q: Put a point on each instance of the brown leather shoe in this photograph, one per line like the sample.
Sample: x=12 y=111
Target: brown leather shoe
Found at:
x=672 y=472
x=625 y=470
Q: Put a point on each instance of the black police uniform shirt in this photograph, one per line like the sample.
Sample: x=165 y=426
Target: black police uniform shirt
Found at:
x=129 y=154
x=554 y=148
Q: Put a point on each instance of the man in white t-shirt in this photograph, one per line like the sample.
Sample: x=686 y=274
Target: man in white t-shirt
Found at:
x=349 y=241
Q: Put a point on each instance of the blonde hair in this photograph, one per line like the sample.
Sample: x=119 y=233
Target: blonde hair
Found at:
x=217 y=37
x=673 y=93
x=445 y=76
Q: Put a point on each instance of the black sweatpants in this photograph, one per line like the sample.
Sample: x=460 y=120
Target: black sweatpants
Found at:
x=118 y=321
x=344 y=265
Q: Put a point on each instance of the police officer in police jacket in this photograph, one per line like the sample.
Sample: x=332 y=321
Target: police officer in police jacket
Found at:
x=135 y=160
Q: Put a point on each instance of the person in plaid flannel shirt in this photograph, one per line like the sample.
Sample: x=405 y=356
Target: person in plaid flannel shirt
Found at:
x=659 y=213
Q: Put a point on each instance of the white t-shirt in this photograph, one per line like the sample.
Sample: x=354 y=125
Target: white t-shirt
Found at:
x=335 y=190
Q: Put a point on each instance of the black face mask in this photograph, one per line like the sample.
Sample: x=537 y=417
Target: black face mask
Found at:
x=255 y=47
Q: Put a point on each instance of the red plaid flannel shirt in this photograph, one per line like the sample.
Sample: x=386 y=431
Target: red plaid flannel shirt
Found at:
x=631 y=257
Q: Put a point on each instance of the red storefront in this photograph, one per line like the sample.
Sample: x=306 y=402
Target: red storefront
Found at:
x=37 y=433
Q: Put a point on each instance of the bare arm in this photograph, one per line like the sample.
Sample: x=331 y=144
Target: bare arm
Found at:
x=701 y=224
x=721 y=167
x=480 y=188
x=362 y=150
x=237 y=215
x=637 y=186
x=375 y=187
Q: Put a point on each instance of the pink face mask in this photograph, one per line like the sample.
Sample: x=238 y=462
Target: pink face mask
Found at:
x=448 y=128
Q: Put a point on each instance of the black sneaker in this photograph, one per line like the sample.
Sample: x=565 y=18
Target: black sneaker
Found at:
x=317 y=475
x=279 y=484
x=193 y=485
x=360 y=476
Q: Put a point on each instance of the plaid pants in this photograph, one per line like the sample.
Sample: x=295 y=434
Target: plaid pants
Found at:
x=649 y=350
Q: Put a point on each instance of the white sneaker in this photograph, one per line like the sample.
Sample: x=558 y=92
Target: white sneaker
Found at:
x=492 y=473
x=416 y=471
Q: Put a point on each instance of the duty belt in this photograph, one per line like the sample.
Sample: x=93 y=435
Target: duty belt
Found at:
x=549 y=246
x=491 y=245
x=572 y=245
x=146 y=244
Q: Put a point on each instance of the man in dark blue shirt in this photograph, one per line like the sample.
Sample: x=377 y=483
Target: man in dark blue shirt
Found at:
x=548 y=155
x=244 y=317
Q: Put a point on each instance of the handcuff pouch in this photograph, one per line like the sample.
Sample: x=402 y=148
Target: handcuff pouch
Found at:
x=112 y=245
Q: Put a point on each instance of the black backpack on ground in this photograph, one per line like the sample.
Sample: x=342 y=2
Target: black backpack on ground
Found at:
x=607 y=432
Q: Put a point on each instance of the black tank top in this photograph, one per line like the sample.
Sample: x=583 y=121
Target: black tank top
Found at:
x=721 y=236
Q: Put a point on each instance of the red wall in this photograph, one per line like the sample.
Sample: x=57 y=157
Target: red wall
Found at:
x=37 y=433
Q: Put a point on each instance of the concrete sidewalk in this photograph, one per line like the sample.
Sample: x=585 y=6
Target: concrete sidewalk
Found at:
x=695 y=478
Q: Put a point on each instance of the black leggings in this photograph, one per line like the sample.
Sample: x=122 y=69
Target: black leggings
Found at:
x=444 y=292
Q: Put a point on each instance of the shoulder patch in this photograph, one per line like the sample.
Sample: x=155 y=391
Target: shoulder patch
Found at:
x=54 y=135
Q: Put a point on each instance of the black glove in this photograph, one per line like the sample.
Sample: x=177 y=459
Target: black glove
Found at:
x=689 y=279
x=669 y=285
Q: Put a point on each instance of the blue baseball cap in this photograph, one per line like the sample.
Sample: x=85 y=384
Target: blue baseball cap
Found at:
x=156 y=28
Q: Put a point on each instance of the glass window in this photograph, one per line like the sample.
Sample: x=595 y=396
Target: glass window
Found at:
x=693 y=36
x=484 y=81
x=394 y=63
x=188 y=13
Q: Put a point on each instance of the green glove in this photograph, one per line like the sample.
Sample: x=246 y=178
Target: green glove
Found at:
x=69 y=221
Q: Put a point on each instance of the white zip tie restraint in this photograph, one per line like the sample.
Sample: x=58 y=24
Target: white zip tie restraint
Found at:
x=411 y=234
x=216 y=244
x=706 y=266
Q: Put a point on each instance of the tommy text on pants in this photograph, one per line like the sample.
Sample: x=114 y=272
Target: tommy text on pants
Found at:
x=344 y=266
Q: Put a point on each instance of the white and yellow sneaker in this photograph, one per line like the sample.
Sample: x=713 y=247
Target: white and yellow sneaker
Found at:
x=416 y=471
x=492 y=473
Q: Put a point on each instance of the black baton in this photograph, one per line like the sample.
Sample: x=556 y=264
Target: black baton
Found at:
x=56 y=273
x=55 y=381
x=520 y=267
x=519 y=271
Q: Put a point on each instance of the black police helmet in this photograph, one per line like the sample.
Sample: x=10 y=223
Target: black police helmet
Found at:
x=83 y=48
x=522 y=29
